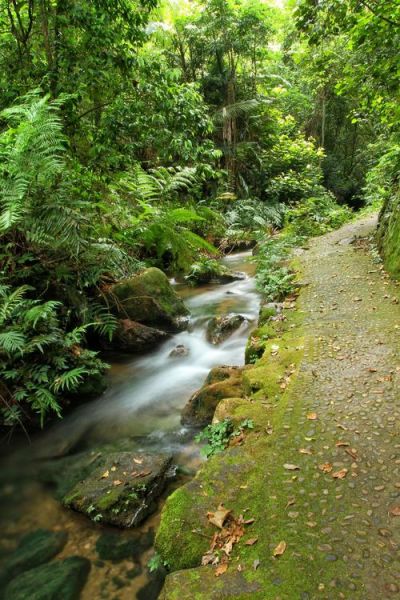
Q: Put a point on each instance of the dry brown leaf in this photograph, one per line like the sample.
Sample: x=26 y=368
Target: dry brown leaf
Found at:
x=325 y=468
x=342 y=444
x=105 y=474
x=219 y=517
x=113 y=468
x=117 y=482
x=340 y=474
x=280 y=549
x=138 y=461
x=290 y=502
x=290 y=467
x=395 y=511
x=221 y=569
x=251 y=541
x=143 y=474
x=312 y=416
x=248 y=521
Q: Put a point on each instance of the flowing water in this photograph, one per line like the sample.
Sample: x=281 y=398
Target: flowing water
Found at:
x=143 y=403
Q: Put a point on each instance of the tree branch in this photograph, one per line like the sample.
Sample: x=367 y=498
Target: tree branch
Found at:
x=378 y=15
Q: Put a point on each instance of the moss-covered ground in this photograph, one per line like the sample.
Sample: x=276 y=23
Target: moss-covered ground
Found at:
x=324 y=398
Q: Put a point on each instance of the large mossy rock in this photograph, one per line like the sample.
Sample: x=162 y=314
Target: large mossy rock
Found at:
x=150 y=299
x=220 y=328
x=133 y=337
x=388 y=236
x=121 y=490
x=34 y=549
x=222 y=382
x=58 y=580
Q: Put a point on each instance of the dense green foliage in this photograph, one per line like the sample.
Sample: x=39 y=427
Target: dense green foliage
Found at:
x=138 y=133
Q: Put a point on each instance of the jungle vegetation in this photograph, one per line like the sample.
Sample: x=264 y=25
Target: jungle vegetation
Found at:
x=141 y=133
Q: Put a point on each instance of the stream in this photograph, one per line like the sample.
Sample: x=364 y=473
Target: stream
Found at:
x=143 y=403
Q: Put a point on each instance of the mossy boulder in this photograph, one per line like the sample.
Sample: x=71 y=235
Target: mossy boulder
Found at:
x=58 y=580
x=388 y=235
x=222 y=382
x=222 y=327
x=133 y=337
x=122 y=489
x=34 y=549
x=150 y=299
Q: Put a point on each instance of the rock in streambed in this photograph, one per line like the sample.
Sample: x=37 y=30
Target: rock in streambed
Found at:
x=121 y=489
x=220 y=328
x=150 y=299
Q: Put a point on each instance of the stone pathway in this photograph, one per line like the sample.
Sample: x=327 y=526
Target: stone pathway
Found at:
x=337 y=512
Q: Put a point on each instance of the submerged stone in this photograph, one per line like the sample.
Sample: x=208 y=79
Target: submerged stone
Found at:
x=122 y=489
x=58 y=580
x=34 y=549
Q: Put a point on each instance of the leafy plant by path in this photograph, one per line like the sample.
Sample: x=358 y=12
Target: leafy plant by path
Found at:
x=219 y=435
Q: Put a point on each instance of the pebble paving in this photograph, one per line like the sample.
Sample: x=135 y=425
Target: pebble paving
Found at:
x=349 y=381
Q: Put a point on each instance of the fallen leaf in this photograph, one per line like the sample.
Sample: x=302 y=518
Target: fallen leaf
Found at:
x=395 y=511
x=342 y=444
x=117 y=482
x=280 y=549
x=340 y=474
x=221 y=569
x=240 y=568
x=105 y=474
x=305 y=451
x=290 y=467
x=325 y=468
x=143 y=474
x=251 y=541
x=256 y=564
x=219 y=517
x=312 y=416
x=249 y=521
x=290 y=502
x=138 y=461
x=113 y=468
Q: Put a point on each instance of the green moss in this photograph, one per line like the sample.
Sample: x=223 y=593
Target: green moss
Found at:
x=109 y=499
x=389 y=236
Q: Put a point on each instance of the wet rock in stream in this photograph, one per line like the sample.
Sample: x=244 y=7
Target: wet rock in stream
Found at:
x=58 y=580
x=220 y=328
x=133 y=337
x=150 y=299
x=121 y=490
x=179 y=351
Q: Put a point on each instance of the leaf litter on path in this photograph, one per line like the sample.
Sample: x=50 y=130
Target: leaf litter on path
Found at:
x=231 y=530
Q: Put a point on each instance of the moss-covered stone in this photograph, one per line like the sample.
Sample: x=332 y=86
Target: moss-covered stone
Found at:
x=389 y=235
x=122 y=488
x=225 y=382
x=34 y=549
x=58 y=580
x=149 y=298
